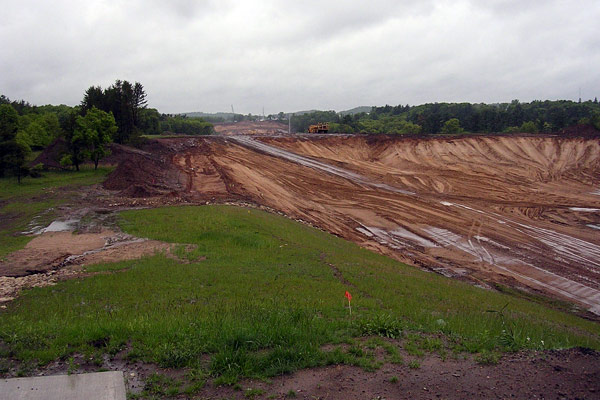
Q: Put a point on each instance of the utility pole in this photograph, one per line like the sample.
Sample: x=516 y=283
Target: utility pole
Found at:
x=289 y=123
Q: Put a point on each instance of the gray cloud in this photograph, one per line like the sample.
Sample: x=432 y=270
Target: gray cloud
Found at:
x=292 y=55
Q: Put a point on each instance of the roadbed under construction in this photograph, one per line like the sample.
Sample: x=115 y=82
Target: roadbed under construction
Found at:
x=522 y=211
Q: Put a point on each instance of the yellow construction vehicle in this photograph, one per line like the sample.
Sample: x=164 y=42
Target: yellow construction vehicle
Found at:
x=319 y=128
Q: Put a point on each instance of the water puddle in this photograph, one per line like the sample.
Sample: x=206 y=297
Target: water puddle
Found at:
x=61 y=226
x=584 y=209
x=406 y=234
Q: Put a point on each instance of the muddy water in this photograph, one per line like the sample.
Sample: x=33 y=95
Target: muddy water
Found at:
x=61 y=226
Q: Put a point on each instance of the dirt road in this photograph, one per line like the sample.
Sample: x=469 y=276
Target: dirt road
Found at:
x=522 y=211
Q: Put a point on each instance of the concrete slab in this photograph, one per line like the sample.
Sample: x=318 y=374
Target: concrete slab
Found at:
x=95 y=386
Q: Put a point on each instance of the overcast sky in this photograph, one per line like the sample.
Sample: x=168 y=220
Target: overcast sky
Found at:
x=285 y=55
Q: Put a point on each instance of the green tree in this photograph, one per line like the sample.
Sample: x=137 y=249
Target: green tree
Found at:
x=38 y=136
x=452 y=126
x=14 y=158
x=149 y=121
x=126 y=102
x=93 y=132
x=595 y=119
x=529 y=127
x=13 y=154
x=411 y=129
x=9 y=122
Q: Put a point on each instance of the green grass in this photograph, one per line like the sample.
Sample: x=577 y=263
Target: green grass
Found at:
x=35 y=197
x=264 y=301
x=9 y=188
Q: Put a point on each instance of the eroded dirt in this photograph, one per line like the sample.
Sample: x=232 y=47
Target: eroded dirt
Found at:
x=517 y=210
x=522 y=211
x=55 y=256
x=524 y=376
x=251 y=128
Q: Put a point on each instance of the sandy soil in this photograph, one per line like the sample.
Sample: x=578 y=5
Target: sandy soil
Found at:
x=251 y=128
x=55 y=256
x=522 y=211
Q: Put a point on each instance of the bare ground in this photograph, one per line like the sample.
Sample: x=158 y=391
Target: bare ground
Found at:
x=564 y=374
x=520 y=211
x=54 y=256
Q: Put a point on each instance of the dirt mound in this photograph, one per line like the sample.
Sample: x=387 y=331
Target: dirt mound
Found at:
x=517 y=210
x=252 y=128
x=147 y=172
x=583 y=130
x=51 y=155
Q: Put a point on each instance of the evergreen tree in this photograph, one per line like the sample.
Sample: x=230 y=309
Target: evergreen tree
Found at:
x=124 y=100
x=13 y=153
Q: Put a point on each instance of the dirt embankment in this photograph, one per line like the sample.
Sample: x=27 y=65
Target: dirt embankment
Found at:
x=251 y=128
x=523 y=211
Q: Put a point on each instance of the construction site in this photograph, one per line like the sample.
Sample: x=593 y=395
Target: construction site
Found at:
x=516 y=215
x=520 y=211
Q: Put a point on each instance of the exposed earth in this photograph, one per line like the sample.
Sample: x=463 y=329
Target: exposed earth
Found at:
x=553 y=374
x=251 y=128
x=521 y=211
x=54 y=256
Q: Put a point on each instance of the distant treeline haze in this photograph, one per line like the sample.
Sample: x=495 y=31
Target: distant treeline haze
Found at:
x=537 y=116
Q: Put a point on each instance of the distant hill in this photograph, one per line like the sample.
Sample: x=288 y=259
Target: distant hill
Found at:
x=352 y=111
x=356 y=110
x=227 y=116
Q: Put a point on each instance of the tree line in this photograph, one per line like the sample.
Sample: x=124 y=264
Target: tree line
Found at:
x=433 y=118
x=118 y=113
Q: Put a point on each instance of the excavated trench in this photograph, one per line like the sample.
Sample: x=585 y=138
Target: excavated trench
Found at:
x=522 y=211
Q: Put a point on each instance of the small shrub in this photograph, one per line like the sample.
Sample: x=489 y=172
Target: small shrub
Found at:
x=384 y=325
x=252 y=393
x=487 y=358
x=174 y=356
x=161 y=385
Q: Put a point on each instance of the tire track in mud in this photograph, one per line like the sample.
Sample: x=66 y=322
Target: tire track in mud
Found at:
x=308 y=162
x=518 y=263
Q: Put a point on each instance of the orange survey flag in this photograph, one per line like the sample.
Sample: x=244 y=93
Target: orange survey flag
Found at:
x=348 y=295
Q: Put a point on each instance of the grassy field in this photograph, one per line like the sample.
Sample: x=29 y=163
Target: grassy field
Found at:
x=20 y=203
x=261 y=296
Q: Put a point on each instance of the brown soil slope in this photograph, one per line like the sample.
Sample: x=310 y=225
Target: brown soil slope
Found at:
x=251 y=128
x=519 y=210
